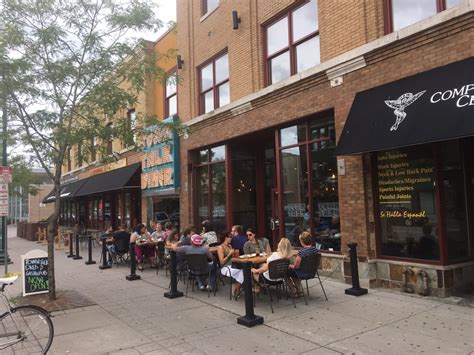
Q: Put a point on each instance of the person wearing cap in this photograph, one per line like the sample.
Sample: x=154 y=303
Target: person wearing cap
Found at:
x=196 y=247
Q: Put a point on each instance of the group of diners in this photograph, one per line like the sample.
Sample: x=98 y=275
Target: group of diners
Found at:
x=230 y=245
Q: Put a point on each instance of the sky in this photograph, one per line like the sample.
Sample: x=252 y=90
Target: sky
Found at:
x=166 y=13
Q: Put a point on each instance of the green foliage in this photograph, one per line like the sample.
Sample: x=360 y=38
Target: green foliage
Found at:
x=23 y=176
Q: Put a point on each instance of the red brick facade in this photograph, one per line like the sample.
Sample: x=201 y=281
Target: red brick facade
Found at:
x=342 y=28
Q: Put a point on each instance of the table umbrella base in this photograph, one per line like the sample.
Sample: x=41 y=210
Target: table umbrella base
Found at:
x=133 y=277
x=250 y=322
x=356 y=291
x=172 y=295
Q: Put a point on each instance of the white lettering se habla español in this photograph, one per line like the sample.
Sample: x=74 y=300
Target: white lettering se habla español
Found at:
x=462 y=96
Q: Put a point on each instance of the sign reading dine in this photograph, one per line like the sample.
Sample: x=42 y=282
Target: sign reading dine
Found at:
x=35 y=272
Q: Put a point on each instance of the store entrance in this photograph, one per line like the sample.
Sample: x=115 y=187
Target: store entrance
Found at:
x=253 y=184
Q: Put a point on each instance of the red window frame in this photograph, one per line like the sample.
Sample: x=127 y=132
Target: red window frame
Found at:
x=291 y=44
x=168 y=97
x=388 y=18
x=215 y=85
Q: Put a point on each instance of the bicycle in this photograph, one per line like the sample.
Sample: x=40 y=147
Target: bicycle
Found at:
x=26 y=329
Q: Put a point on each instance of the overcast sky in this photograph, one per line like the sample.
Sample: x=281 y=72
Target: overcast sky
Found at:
x=166 y=13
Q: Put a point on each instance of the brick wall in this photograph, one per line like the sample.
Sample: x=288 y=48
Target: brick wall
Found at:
x=448 y=42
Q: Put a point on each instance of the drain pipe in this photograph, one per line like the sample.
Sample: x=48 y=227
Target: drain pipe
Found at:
x=422 y=280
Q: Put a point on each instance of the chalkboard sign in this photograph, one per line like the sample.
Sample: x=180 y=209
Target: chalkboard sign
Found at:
x=35 y=272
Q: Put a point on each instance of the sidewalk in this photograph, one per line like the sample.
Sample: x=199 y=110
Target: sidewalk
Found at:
x=135 y=318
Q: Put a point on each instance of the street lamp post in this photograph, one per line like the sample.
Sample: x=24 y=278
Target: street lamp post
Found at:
x=3 y=252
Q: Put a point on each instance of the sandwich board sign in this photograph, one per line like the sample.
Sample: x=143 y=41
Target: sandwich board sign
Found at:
x=34 y=266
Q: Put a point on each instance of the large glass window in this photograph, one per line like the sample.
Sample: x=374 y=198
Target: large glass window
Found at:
x=407 y=12
x=211 y=192
x=293 y=42
x=215 y=91
x=309 y=182
x=407 y=195
x=171 y=101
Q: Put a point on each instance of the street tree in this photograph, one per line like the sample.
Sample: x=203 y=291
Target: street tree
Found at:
x=68 y=66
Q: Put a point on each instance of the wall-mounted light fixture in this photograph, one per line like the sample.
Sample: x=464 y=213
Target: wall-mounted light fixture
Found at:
x=179 y=62
x=235 y=20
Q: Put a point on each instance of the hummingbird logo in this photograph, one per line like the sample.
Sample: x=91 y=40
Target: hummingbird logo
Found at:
x=400 y=104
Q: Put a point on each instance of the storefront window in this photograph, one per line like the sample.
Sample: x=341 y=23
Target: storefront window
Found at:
x=309 y=183
x=295 y=191
x=211 y=192
x=457 y=236
x=406 y=196
x=127 y=212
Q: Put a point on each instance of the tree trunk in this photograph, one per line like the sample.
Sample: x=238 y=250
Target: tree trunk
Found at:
x=52 y=229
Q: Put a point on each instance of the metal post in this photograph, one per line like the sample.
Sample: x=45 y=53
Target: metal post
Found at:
x=173 y=292
x=77 y=256
x=355 y=290
x=104 y=265
x=89 y=249
x=71 y=243
x=249 y=319
x=133 y=265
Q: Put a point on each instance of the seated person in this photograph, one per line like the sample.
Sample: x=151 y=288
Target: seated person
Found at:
x=158 y=233
x=238 y=238
x=143 y=251
x=121 y=239
x=186 y=237
x=208 y=234
x=283 y=252
x=254 y=245
x=225 y=252
x=294 y=272
x=172 y=239
x=196 y=247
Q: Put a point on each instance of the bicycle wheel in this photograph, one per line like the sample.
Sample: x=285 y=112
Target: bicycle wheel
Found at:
x=35 y=326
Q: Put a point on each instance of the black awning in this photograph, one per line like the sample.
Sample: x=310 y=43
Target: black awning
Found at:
x=113 y=180
x=67 y=191
x=431 y=106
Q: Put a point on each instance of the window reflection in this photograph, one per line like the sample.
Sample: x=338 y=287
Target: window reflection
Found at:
x=293 y=135
x=408 y=12
x=222 y=68
x=452 y=3
x=280 y=67
x=277 y=36
x=209 y=101
x=305 y=20
x=206 y=77
x=307 y=54
x=224 y=94
x=217 y=153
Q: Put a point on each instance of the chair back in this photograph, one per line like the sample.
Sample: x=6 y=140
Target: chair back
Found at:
x=310 y=264
x=277 y=269
x=122 y=245
x=197 y=264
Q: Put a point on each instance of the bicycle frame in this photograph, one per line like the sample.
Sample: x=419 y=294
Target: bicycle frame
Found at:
x=20 y=335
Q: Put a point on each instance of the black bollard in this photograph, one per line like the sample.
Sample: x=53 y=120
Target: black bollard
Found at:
x=355 y=290
x=250 y=319
x=133 y=265
x=104 y=265
x=173 y=292
x=71 y=243
x=77 y=256
x=89 y=250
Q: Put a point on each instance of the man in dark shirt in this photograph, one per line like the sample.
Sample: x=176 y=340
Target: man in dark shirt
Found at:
x=238 y=238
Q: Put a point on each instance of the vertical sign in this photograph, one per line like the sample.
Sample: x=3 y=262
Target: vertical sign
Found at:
x=5 y=179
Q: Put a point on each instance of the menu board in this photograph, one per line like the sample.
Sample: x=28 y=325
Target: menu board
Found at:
x=35 y=272
x=404 y=178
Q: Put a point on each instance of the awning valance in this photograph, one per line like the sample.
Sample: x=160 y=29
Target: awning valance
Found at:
x=67 y=191
x=113 y=180
x=431 y=106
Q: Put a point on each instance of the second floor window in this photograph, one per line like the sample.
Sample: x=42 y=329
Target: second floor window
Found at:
x=171 y=104
x=292 y=43
x=214 y=88
x=403 y=13
x=209 y=5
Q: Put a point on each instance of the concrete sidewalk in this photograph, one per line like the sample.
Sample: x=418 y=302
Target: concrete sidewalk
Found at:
x=135 y=318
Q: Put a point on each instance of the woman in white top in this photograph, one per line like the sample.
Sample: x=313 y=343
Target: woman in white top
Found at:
x=283 y=252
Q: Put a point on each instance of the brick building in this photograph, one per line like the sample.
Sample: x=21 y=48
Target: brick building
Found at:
x=102 y=187
x=271 y=91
